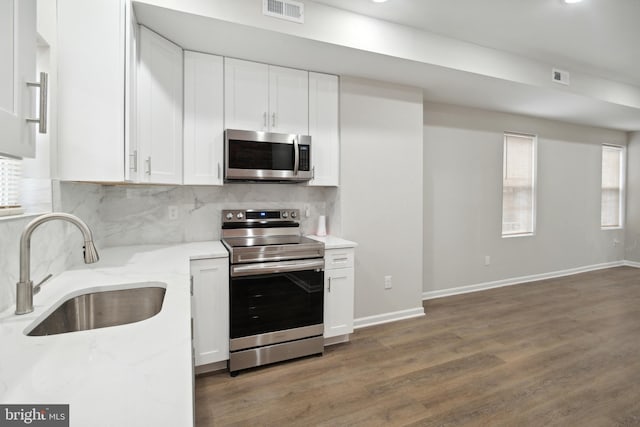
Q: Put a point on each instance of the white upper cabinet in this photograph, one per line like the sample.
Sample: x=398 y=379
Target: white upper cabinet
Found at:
x=17 y=68
x=288 y=100
x=91 y=89
x=264 y=97
x=203 y=119
x=246 y=95
x=159 y=104
x=324 y=129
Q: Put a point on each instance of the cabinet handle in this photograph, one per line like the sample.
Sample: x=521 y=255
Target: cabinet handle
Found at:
x=340 y=259
x=191 y=286
x=44 y=88
x=313 y=173
x=148 y=165
x=264 y=120
x=218 y=170
x=134 y=162
x=273 y=119
x=329 y=284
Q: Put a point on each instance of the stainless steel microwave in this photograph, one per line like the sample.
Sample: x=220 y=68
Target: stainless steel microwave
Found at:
x=266 y=156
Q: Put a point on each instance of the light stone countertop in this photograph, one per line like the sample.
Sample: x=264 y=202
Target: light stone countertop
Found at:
x=138 y=374
x=333 y=242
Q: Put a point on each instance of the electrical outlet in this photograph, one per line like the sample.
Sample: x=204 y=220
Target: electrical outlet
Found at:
x=487 y=260
x=173 y=212
x=387 y=282
x=307 y=211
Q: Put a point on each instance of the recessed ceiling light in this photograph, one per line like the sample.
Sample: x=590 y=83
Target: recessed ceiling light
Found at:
x=571 y=1
x=382 y=1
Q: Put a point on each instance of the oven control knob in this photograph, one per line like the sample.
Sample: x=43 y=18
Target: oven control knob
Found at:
x=229 y=216
x=239 y=215
x=293 y=214
x=285 y=214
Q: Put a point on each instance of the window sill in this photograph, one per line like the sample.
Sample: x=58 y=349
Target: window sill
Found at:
x=19 y=216
x=511 y=236
x=611 y=228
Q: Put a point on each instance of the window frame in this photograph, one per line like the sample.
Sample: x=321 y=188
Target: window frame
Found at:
x=14 y=185
x=534 y=184
x=621 y=190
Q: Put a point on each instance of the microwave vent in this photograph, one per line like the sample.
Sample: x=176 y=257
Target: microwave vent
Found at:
x=284 y=9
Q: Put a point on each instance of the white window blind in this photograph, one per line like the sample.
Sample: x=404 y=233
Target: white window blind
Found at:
x=10 y=175
x=612 y=187
x=518 y=184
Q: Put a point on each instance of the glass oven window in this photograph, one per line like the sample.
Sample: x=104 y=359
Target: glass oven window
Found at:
x=275 y=302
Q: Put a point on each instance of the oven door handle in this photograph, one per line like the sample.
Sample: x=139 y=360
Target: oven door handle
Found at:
x=276 y=267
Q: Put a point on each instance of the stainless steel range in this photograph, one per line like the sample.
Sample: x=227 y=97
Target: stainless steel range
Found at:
x=276 y=279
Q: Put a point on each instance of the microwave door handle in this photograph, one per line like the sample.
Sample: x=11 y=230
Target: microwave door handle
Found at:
x=296 y=156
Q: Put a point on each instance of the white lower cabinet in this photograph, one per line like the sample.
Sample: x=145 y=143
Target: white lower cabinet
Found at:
x=338 y=293
x=210 y=310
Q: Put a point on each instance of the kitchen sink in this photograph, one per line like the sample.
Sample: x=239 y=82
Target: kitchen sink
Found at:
x=103 y=309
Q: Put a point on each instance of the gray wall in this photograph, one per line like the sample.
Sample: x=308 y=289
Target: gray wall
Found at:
x=632 y=239
x=463 y=200
x=381 y=192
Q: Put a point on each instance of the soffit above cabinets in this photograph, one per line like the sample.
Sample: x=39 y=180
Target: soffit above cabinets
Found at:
x=448 y=71
x=595 y=37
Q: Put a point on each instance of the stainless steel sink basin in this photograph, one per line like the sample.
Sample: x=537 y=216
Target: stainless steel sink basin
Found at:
x=103 y=309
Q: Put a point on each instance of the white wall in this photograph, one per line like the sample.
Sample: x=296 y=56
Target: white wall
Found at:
x=463 y=199
x=632 y=239
x=381 y=192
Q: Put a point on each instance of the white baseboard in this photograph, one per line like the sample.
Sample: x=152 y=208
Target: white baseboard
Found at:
x=631 y=264
x=379 y=319
x=523 y=279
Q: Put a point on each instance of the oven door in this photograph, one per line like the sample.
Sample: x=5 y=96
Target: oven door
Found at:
x=265 y=156
x=276 y=302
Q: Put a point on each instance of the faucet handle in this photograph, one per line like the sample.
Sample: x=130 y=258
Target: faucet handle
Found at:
x=37 y=287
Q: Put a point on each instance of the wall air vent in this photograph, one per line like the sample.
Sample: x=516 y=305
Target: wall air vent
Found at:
x=284 y=9
x=560 y=76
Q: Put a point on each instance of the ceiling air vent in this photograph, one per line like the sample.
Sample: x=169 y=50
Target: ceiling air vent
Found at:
x=560 y=76
x=284 y=9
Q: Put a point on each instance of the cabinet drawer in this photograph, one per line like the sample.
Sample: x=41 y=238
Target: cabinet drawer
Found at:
x=338 y=258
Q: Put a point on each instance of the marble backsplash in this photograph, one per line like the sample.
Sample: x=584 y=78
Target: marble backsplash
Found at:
x=121 y=215
x=135 y=214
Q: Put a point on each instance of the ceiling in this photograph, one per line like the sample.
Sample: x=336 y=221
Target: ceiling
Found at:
x=531 y=45
x=598 y=37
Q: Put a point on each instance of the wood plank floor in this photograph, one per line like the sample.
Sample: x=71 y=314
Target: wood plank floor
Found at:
x=559 y=352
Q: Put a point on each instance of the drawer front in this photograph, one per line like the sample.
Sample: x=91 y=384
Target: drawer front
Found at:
x=338 y=258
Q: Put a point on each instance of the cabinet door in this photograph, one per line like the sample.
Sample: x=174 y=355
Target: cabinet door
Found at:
x=288 y=100
x=131 y=160
x=246 y=95
x=159 y=121
x=338 y=302
x=17 y=67
x=203 y=119
x=323 y=128
x=210 y=310
x=91 y=89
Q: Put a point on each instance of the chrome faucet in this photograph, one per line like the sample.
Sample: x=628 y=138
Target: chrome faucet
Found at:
x=25 y=288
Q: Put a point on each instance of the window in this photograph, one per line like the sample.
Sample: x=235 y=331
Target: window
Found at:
x=518 y=185
x=612 y=186
x=10 y=174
